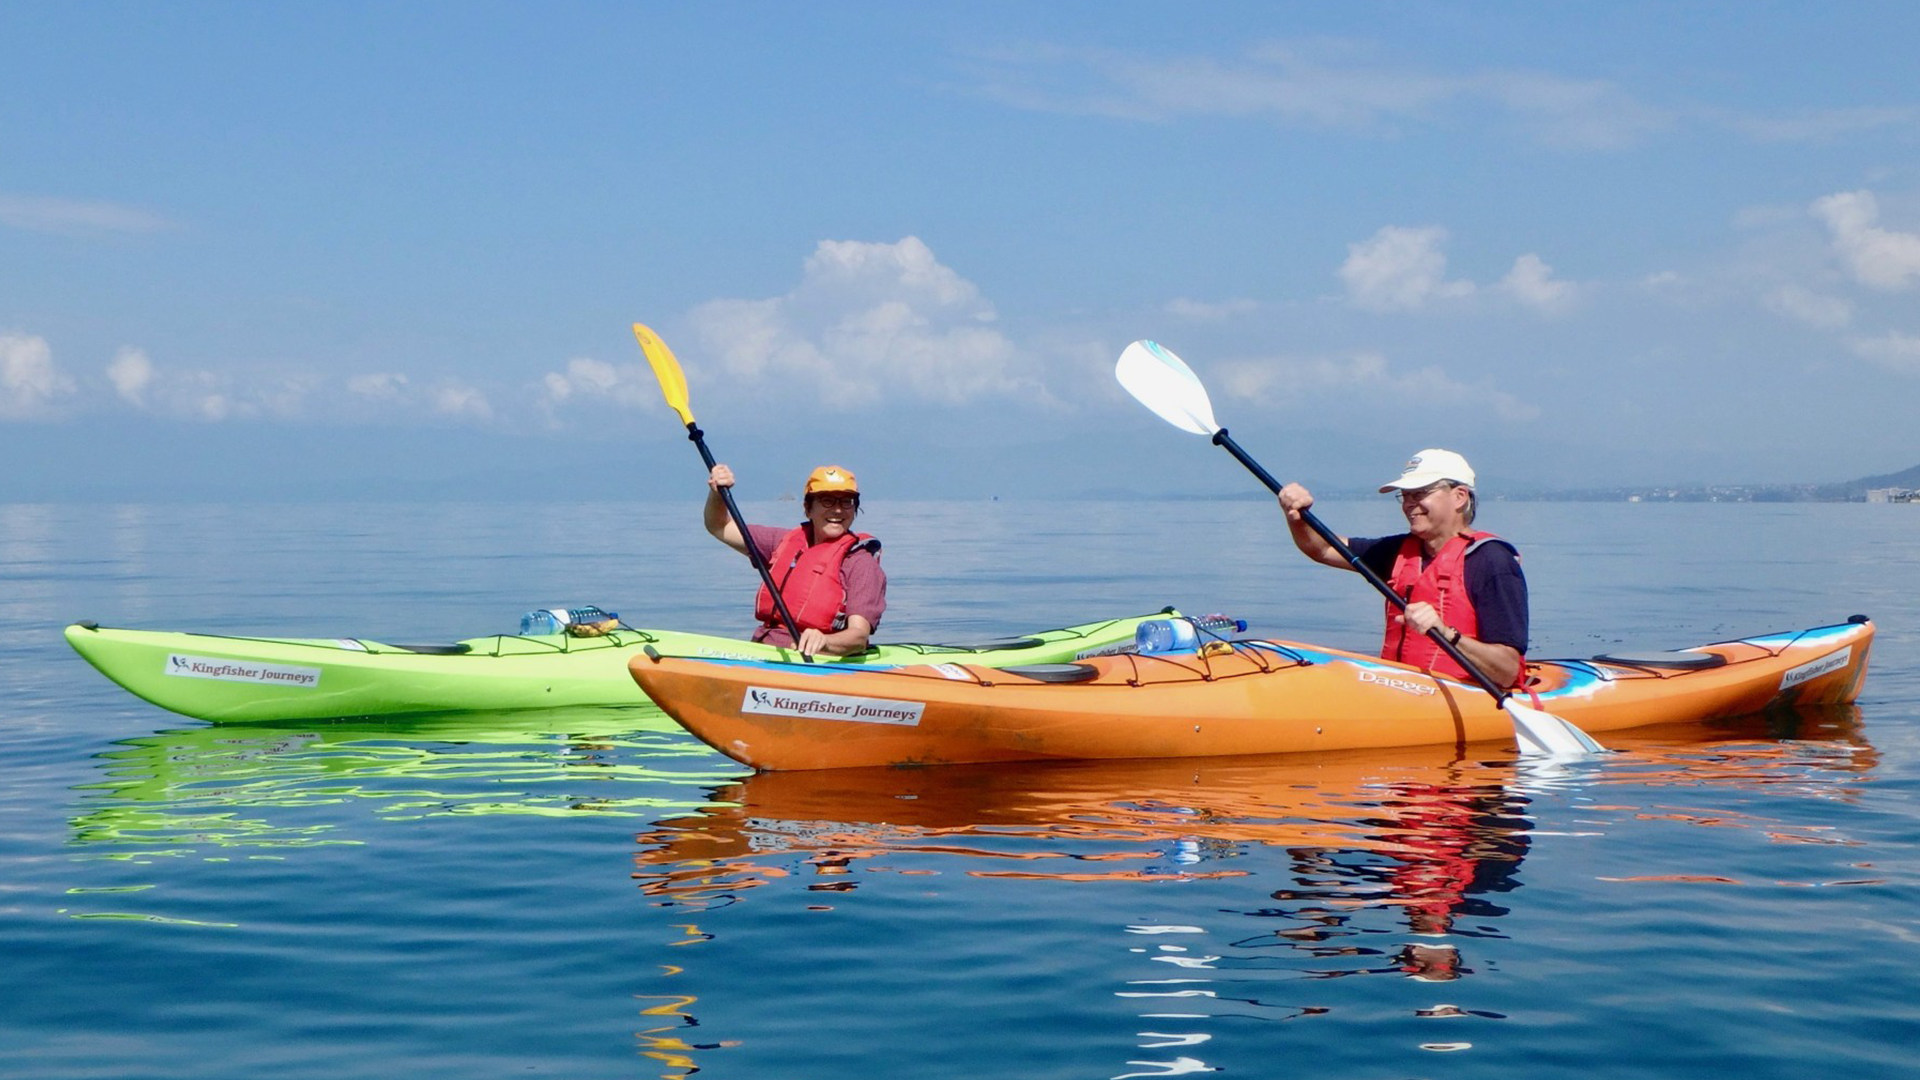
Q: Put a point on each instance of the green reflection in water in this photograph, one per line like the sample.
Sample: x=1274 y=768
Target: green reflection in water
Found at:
x=129 y=916
x=176 y=792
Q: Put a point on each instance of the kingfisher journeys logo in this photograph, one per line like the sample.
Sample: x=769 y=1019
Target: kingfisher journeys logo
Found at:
x=1813 y=669
x=771 y=702
x=207 y=667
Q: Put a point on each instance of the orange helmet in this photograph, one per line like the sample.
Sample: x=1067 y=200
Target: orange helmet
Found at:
x=830 y=478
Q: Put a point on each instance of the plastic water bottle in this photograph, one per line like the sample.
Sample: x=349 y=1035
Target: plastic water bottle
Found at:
x=556 y=620
x=1222 y=625
x=1163 y=636
x=1175 y=635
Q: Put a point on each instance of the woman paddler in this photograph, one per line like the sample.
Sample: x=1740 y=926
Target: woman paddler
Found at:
x=829 y=575
x=1466 y=582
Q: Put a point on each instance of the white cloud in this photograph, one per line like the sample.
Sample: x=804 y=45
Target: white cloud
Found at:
x=1531 y=282
x=1806 y=306
x=204 y=396
x=1298 y=83
x=1316 y=83
x=855 y=269
x=629 y=385
x=1400 y=269
x=1353 y=86
x=1881 y=258
x=75 y=217
x=457 y=399
x=378 y=386
x=131 y=373
x=31 y=385
x=1302 y=384
x=1205 y=311
x=867 y=321
x=1894 y=351
x=287 y=394
x=592 y=376
x=1824 y=125
x=207 y=395
x=198 y=395
x=1575 y=114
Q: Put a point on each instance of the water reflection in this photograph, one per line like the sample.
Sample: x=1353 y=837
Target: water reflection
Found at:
x=1443 y=846
x=282 y=786
x=1399 y=865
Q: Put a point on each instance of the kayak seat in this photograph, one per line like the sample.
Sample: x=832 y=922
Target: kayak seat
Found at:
x=1684 y=660
x=438 y=650
x=1056 y=673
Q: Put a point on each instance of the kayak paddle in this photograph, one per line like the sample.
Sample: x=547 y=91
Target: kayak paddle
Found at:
x=673 y=384
x=1165 y=384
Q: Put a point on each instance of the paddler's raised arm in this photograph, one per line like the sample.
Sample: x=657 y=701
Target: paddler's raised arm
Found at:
x=714 y=515
x=1293 y=500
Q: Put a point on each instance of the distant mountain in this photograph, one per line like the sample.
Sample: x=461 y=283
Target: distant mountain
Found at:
x=1856 y=490
x=1843 y=491
x=1909 y=478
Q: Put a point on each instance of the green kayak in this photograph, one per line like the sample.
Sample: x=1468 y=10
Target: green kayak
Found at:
x=249 y=679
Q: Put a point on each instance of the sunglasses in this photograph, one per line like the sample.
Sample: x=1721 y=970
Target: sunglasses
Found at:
x=1418 y=494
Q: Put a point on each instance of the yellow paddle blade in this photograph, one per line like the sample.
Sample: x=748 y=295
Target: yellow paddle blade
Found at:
x=673 y=381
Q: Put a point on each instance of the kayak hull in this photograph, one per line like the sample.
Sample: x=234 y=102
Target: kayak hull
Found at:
x=249 y=680
x=1255 y=697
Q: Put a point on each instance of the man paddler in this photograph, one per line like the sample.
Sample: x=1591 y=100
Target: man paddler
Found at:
x=1453 y=576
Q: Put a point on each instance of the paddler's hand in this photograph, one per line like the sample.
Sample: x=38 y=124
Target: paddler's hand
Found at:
x=1294 y=499
x=1295 y=504
x=1421 y=617
x=720 y=477
x=813 y=642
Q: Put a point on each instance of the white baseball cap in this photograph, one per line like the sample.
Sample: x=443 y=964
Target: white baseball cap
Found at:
x=1431 y=467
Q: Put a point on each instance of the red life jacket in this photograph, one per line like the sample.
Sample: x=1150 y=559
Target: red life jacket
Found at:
x=1442 y=582
x=809 y=579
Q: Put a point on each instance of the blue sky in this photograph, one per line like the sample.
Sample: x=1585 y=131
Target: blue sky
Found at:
x=330 y=250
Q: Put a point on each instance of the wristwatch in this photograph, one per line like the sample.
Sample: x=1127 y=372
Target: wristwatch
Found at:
x=1455 y=639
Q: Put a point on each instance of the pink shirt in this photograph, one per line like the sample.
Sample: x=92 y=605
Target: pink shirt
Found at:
x=860 y=575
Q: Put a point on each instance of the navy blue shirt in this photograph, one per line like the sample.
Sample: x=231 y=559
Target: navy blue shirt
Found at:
x=1494 y=583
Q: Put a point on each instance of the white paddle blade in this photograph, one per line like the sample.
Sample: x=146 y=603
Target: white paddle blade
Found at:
x=1542 y=734
x=1164 y=383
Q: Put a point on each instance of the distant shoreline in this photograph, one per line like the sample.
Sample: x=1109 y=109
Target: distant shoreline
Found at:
x=1716 y=494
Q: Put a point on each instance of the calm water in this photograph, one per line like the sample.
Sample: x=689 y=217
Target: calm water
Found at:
x=593 y=894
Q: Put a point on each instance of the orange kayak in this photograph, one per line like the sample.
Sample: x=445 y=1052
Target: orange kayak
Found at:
x=1226 y=698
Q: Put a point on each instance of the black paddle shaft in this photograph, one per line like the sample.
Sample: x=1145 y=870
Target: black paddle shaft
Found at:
x=699 y=439
x=1221 y=438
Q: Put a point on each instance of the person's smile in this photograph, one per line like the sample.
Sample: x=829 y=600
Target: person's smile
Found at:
x=832 y=516
x=1414 y=503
